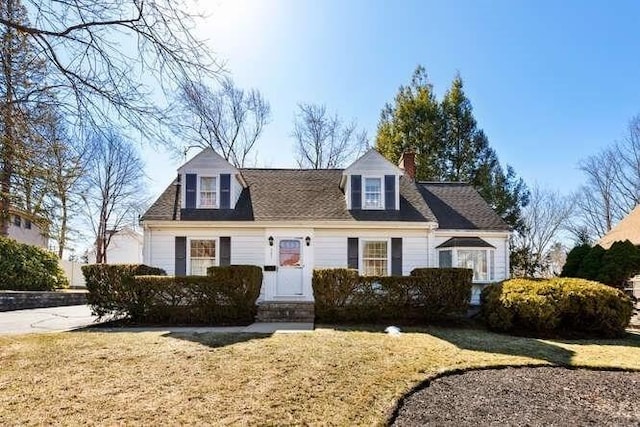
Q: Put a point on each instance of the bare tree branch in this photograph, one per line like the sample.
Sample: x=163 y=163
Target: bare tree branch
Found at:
x=323 y=141
x=229 y=120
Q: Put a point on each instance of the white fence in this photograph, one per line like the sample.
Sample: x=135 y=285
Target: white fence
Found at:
x=73 y=273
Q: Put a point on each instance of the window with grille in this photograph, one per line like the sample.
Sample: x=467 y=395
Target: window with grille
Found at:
x=373 y=193
x=202 y=255
x=375 y=258
x=208 y=192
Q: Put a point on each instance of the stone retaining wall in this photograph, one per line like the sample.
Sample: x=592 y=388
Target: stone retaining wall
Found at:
x=19 y=300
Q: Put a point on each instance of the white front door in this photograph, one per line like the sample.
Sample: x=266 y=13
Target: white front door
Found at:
x=290 y=265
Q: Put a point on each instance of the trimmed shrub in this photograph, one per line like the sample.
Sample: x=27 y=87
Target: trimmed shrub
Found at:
x=197 y=300
x=29 y=268
x=227 y=295
x=341 y=295
x=559 y=306
x=110 y=288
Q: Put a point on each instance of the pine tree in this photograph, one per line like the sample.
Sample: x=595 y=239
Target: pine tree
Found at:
x=449 y=144
x=414 y=121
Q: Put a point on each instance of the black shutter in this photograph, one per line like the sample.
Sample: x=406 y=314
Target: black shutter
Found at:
x=352 y=253
x=225 y=251
x=356 y=192
x=390 y=192
x=181 y=256
x=190 y=186
x=396 y=256
x=225 y=191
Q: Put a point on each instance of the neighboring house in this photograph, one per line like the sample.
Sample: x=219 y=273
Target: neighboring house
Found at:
x=371 y=216
x=627 y=229
x=27 y=228
x=125 y=247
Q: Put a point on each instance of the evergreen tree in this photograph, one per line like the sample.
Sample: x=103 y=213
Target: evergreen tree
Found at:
x=591 y=263
x=414 y=121
x=619 y=263
x=449 y=144
x=574 y=259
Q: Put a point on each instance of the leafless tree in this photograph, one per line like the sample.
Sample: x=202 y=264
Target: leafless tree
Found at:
x=612 y=187
x=544 y=219
x=101 y=63
x=229 y=120
x=113 y=187
x=324 y=141
x=66 y=165
x=106 y=56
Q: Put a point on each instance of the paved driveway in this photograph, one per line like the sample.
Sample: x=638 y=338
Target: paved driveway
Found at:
x=53 y=319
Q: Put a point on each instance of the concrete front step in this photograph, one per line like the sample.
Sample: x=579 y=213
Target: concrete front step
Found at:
x=288 y=311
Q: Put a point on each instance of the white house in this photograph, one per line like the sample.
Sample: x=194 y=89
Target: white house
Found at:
x=371 y=216
x=125 y=247
x=26 y=228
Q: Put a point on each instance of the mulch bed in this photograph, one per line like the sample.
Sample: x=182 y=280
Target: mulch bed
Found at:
x=526 y=396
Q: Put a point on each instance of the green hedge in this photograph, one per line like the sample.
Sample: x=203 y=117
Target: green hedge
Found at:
x=226 y=296
x=110 y=287
x=558 y=306
x=29 y=268
x=342 y=295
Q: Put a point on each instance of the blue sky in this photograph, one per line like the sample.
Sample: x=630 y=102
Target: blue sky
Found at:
x=551 y=82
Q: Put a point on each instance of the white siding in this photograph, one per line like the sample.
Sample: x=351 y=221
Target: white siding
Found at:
x=331 y=246
x=247 y=246
x=209 y=163
x=32 y=236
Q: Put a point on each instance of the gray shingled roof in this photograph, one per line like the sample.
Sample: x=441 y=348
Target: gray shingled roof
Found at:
x=458 y=206
x=290 y=195
x=465 y=242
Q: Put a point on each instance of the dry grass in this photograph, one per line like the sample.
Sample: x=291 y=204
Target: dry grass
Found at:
x=323 y=377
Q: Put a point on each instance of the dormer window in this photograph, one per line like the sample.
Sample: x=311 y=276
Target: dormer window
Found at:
x=373 y=193
x=208 y=192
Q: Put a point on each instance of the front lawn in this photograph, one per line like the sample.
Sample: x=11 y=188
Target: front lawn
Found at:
x=325 y=376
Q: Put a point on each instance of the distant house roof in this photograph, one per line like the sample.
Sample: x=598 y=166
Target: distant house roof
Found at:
x=290 y=195
x=627 y=229
x=465 y=242
x=458 y=206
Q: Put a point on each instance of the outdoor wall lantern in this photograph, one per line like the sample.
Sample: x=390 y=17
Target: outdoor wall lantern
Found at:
x=308 y=240
x=270 y=240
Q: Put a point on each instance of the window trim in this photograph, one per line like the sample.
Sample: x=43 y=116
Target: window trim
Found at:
x=216 y=260
x=361 y=244
x=491 y=270
x=364 y=192
x=198 y=186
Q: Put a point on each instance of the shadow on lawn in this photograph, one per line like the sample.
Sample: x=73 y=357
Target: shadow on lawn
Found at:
x=475 y=338
x=216 y=339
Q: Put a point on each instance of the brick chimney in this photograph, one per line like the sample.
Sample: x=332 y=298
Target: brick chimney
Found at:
x=408 y=163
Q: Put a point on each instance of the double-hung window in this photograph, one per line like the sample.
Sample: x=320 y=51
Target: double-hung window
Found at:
x=202 y=255
x=208 y=192
x=375 y=258
x=373 y=193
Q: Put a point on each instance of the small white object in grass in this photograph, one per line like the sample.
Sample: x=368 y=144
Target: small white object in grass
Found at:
x=394 y=331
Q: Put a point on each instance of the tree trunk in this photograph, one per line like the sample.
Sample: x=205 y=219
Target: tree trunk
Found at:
x=7 y=153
